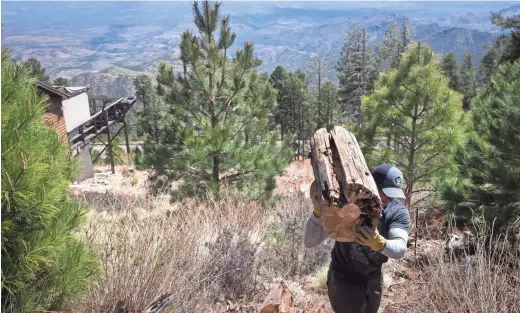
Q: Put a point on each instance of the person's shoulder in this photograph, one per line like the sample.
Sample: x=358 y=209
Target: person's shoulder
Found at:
x=396 y=207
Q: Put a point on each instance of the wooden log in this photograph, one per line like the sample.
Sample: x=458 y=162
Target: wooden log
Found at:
x=343 y=180
x=279 y=300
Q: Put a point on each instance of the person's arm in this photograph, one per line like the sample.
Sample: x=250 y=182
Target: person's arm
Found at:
x=313 y=232
x=395 y=245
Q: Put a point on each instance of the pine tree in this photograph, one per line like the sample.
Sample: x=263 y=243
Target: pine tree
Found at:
x=36 y=69
x=302 y=76
x=355 y=72
x=488 y=65
x=144 y=89
x=421 y=113
x=225 y=137
x=43 y=263
x=468 y=83
x=330 y=106
x=396 y=40
x=389 y=50
x=488 y=171
x=316 y=69
x=60 y=81
x=277 y=77
x=406 y=34
x=149 y=114
x=292 y=108
x=450 y=68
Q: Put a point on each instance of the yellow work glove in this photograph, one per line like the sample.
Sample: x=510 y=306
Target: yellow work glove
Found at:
x=369 y=237
x=314 y=198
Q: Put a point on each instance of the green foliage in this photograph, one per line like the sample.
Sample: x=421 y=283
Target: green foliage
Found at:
x=450 y=67
x=418 y=116
x=488 y=172
x=216 y=131
x=468 y=83
x=511 y=51
x=43 y=263
x=36 y=69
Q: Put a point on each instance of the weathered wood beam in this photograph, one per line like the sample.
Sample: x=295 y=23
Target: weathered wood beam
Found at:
x=344 y=181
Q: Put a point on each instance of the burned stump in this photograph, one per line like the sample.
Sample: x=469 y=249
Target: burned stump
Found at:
x=343 y=180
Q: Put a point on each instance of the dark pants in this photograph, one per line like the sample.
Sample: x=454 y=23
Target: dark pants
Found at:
x=354 y=295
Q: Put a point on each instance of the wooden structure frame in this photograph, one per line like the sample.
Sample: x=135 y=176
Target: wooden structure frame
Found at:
x=99 y=125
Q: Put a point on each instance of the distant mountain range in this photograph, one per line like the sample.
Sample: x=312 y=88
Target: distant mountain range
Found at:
x=104 y=45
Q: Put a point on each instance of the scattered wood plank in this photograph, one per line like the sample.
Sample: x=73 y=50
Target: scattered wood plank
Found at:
x=159 y=303
x=343 y=180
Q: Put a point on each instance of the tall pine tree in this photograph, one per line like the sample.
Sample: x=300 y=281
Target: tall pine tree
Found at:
x=415 y=105
x=488 y=171
x=225 y=139
x=330 y=107
x=468 y=83
x=488 y=65
x=396 y=40
x=317 y=69
x=293 y=107
x=355 y=72
x=144 y=90
x=277 y=77
x=450 y=67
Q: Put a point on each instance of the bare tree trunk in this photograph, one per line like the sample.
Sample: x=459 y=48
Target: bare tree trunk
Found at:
x=319 y=92
x=299 y=127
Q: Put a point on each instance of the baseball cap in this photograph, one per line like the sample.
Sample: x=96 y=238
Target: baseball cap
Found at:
x=390 y=180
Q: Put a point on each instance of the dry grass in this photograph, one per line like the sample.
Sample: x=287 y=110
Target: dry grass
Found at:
x=284 y=254
x=460 y=282
x=206 y=252
x=201 y=251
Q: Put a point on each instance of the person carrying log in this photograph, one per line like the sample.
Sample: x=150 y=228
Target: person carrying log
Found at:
x=355 y=277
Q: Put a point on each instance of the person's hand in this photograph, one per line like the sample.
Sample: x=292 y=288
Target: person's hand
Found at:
x=315 y=201
x=369 y=237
